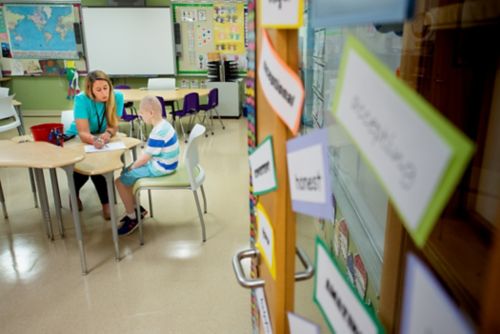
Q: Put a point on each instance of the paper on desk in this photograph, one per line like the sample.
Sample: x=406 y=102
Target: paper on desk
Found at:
x=117 y=145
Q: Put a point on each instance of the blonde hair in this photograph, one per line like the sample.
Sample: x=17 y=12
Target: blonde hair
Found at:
x=152 y=103
x=110 y=105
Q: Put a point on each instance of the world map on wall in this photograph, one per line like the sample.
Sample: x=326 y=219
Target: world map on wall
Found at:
x=41 y=31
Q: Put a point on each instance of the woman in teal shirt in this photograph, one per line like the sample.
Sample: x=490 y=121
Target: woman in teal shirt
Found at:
x=96 y=111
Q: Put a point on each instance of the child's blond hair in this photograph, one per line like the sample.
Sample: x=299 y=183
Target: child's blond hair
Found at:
x=152 y=103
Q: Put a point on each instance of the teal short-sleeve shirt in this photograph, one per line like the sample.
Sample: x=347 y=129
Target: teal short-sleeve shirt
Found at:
x=86 y=108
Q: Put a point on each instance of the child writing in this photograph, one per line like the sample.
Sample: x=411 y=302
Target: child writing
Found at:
x=160 y=157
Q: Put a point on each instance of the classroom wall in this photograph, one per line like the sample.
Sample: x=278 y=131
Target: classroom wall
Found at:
x=46 y=96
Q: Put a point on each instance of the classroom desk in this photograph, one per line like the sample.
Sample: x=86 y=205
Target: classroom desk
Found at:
x=134 y=95
x=104 y=163
x=35 y=155
x=99 y=163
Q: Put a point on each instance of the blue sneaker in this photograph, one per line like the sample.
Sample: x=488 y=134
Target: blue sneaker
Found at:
x=144 y=213
x=128 y=226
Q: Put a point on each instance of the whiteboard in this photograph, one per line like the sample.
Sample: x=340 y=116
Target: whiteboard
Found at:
x=129 y=41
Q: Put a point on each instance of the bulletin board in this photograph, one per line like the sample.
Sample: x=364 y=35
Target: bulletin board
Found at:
x=196 y=25
x=205 y=28
x=40 y=39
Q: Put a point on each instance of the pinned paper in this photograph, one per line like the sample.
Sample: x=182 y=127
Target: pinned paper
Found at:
x=265 y=320
x=300 y=325
x=262 y=167
x=427 y=308
x=415 y=152
x=340 y=305
x=281 y=14
x=309 y=176
x=281 y=86
x=265 y=239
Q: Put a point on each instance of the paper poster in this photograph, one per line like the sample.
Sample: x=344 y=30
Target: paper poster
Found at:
x=265 y=320
x=265 y=239
x=202 y=14
x=281 y=86
x=309 y=177
x=281 y=14
x=32 y=66
x=340 y=305
x=340 y=13
x=262 y=167
x=17 y=67
x=427 y=308
x=229 y=28
x=300 y=325
x=417 y=155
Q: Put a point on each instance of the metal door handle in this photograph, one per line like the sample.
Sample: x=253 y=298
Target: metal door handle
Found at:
x=309 y=268
x=258 y=282
x=240 y=274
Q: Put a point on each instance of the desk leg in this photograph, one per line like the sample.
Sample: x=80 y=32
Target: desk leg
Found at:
x=111 y=194
x=33 y=188
x=2 y=199
x=57 y=200
x=76 y=217
x=42 y=193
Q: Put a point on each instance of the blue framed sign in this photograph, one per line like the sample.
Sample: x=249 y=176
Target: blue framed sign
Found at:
x=336 y=13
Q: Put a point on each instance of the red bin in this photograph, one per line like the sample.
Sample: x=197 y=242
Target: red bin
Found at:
x=49 y=132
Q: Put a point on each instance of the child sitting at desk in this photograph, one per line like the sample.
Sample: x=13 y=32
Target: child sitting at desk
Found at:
x=160 y=157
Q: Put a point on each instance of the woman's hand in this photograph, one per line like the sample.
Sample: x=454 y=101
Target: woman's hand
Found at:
x=106 y=137
x=99 y=142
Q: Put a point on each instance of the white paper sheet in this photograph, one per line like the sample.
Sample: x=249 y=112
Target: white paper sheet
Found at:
x=427 y=308
x=299 y=325
x=117 y=145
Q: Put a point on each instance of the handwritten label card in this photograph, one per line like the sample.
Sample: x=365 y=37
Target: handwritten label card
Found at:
x=309 y=176
x=299 y=325
x=282 y=13
x=265 y=320
x=427 y=308
x=339 y=303
x=281 y=86
x=262 y=167
x=415 y=152
x=265 y=239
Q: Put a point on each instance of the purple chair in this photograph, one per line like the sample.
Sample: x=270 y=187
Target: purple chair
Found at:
x=210 y=107
x=132 y=116
x=191 y=107
x=163 y=110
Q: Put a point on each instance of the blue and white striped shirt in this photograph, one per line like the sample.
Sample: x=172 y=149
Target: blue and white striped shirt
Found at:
x=163 y=147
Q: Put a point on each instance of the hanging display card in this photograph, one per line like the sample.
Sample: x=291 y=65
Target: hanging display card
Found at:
x=309 y=177
x=299 y=325
x=415 y=152
x=427 y=308
x=282 y=14
x=262 y=167
x=265 y=239
x=340 y=305
x=281 y=86
x=265 y=320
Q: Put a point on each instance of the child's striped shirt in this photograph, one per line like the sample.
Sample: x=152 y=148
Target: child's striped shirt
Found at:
x=163 y=146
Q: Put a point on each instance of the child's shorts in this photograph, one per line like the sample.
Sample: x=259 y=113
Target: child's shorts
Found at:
x=129 y=177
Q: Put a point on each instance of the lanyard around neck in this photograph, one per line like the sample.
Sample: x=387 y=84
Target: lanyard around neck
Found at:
x=100 y=120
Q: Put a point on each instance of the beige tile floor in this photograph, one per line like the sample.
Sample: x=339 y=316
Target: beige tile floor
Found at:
x=172 y=284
